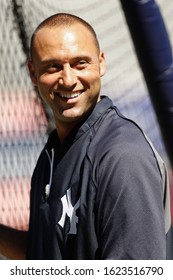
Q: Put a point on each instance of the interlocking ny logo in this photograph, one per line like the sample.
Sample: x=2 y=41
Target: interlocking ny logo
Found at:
x=70 y=211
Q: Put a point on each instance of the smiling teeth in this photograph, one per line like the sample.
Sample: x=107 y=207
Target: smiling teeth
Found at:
x=69 y=95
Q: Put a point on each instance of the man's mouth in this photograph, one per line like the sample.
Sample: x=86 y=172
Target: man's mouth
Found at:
x=68 y=95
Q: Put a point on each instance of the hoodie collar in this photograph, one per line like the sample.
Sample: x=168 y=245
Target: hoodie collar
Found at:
x=101 y=107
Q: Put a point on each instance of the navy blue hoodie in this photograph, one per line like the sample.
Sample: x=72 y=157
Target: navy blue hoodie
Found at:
x=100 y=195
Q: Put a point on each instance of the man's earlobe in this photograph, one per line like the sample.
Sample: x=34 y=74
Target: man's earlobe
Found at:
x=32 y=72
x=102 y=64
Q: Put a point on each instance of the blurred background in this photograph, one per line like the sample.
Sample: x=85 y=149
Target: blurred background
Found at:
x=25 y=121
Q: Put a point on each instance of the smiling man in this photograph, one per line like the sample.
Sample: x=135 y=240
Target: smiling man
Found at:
x=66 y=66
x=99 y=189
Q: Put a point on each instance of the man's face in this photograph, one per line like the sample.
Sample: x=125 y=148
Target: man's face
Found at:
x=66 y=68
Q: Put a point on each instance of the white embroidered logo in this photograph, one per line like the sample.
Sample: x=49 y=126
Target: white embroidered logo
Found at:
x=70 y=211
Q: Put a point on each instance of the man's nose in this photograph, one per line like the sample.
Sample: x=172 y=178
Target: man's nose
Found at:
x=68 y=77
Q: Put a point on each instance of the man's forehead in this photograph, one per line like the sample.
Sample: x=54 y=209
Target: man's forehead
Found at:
x=62 y=28
x=65 y=35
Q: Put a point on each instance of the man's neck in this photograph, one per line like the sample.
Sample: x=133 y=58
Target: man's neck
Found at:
x=64 y=130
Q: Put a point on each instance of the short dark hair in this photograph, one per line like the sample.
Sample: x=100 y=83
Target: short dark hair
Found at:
x=64 y=19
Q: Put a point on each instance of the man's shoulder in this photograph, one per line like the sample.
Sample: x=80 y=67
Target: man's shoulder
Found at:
x=118 y=134
x=116 y=128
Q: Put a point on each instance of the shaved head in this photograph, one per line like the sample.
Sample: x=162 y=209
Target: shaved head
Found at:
x=63 y=20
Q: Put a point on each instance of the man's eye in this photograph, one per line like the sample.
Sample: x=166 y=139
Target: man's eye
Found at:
x=81 y=64
x=82 y=61
x=54 y=67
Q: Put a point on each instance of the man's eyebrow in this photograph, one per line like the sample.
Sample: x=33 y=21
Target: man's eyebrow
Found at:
x=59 y=61
x=79 y=57
x=49 y=60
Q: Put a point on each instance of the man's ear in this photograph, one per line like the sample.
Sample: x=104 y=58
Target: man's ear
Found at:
x=32 y=72
x=102 y=64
